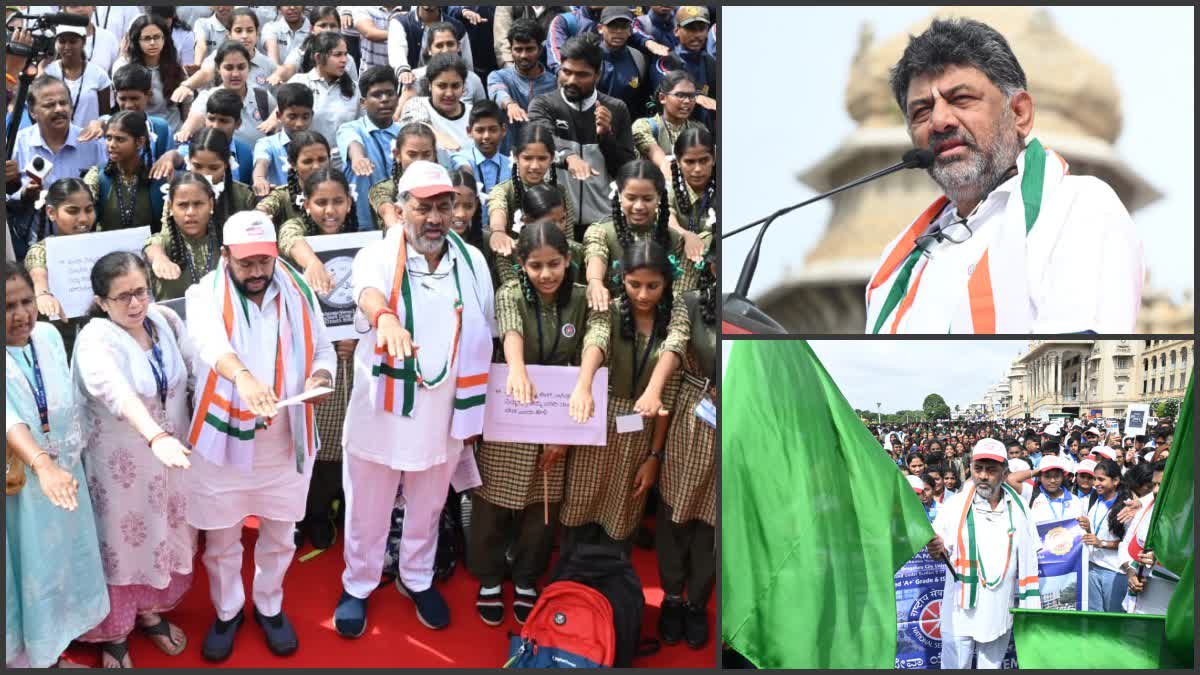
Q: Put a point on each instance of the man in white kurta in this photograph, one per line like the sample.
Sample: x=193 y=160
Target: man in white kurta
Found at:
x=383 y=450
x=1016 y=244
x=983 y=630
x=269 y=485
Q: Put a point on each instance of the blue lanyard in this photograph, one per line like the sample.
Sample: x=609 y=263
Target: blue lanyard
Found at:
x=157 y=367
x=39 y=391
x=1095 y=528
x=1064 y=499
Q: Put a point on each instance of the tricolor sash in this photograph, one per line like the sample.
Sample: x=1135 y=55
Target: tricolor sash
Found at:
x=968 y=564
x=397 y=380
x=223 y=428
x=998 y=287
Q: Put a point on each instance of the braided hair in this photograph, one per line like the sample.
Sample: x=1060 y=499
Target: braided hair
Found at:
x=176 y=247
x=707 y=285
x=531 y=134
x=134 y=124
x=410 y=130
x=328 y=174
x=461 y=177
x=211 y=139
x=57 y=195
x=640 y=169
x=298 y=142
x=646 y=254
x=538 y=235
x=693 y=137
x=307 y=58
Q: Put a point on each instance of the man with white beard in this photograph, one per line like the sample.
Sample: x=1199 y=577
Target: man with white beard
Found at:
x=1015 y=244
x=988 y=535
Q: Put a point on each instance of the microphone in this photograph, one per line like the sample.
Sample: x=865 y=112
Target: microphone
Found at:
x=739 y=314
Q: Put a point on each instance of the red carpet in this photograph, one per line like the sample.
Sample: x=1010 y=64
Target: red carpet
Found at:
x=394 y=637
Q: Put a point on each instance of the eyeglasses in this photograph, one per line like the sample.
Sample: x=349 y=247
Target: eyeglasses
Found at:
x=956 y=232
x=142 y=294
x=150 y=39
x=684 y=95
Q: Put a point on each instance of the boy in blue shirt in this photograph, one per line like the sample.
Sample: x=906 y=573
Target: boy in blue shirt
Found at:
x=295 y=113
x=224 y=111
x=483 y=158
x=366 y=143
x=133 y=86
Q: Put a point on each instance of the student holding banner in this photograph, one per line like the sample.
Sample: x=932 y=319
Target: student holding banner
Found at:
x=687 y=516
x=1106 y=588
x=543 y=318
x=188 y=247
x=987 y=533
x=1049 y=502
x=642 y=338
x=420 y=378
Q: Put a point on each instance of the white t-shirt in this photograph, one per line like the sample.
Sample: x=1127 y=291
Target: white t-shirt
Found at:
x=185 y=46
x=248 y=132
x=1109 y=559
x=261 y=67
x=84 y=92
x=211 y=31
x=288 y=40
x=296 y=56
x=419 y=109
x=330 y=109
x=101 y=48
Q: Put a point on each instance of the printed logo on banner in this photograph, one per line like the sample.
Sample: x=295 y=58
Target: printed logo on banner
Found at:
x=926 y=619
x=1058 y=541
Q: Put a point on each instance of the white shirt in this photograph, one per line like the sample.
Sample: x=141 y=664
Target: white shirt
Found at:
x=160 y=102
x=296 y=56
x=185 y=46
x=473 y=89
x=990 y=618
x=330 y=108
x=248 y=132
x=116 y=19
x=288 y=40
x=1045 y=511
x=420 y=109
x=102 y=48
x=422 y=441
x=373 y=53
x=84 y=92
x=1091 y=278
x=211 y=31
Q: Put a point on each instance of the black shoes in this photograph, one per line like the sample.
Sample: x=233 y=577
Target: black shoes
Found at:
x=490 y=606
x=281 y=637
x=671 y=621
x=218 y=644
x=432 y=610
x=322 y=533
x=695 y=623
x=523 y=603
x=350 y=617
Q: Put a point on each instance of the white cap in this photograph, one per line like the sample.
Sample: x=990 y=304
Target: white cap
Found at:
x=75 y=30
x=1052 y=430
x=989 y=448
x=250 y=233
x=918 y=485
x=425 y=180
x=1018 y=464
x=1052 y=462
x=1148 y=456
x=1092 y=430
x=1087 y=466
x=1105 y=451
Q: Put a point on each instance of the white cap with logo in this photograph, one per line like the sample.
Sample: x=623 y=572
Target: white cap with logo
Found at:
x=424 y=180
x=250 y=233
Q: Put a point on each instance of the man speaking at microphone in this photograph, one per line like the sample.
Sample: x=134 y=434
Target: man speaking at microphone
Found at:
x=1015 y=244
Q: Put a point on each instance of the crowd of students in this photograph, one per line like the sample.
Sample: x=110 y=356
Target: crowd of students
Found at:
x=570 y=150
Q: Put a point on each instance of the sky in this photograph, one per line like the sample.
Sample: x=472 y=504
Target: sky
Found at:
x=901 y=373
x=1157 y=137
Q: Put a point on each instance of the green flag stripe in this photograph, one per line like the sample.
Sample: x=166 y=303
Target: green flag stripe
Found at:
x=222 y=426
x=1032 y=181
x=469 y=402
x=899 y=288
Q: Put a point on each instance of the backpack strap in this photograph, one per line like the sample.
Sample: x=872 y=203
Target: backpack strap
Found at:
x=710 y=73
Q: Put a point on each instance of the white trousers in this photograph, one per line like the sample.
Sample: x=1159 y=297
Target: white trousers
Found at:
x=370 y=495
x=957 y=651
x=223 y=559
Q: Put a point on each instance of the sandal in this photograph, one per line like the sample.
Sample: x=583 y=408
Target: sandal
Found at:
x=162 y=629
x=117 y=651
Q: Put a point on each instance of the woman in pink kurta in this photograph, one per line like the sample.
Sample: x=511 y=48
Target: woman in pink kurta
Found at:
x=131 y=378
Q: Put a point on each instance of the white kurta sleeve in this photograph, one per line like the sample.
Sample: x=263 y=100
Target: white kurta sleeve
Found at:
x=205 y=326
x=101 y=371
x=397 y=45
x=324 y=358
x=1093 y=280
x=368 y=272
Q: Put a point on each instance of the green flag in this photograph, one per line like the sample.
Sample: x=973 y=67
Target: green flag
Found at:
x=1171 y=530
x=1058 y=639
x=816 y=519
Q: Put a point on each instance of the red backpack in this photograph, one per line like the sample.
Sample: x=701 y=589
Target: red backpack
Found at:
x=570 y=626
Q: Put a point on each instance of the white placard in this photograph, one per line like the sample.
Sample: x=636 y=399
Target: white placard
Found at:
x=337 y=251
x=304 y=396
x=1137 y=418
x=629 y=423
x=69 y=261
x=548 y=418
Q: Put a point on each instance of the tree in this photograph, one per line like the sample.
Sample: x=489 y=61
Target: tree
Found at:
x=935 y=408
x=1167 y=408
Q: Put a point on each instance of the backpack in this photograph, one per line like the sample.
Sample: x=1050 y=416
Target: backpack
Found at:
x=589 y=616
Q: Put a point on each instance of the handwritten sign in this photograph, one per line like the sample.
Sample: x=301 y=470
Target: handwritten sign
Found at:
x=547 y=419
x=69 y=262
x=337 y=252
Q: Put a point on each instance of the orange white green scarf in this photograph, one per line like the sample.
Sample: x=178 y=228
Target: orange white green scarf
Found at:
x=968 y=564
x=396 y=386
x=223 y=428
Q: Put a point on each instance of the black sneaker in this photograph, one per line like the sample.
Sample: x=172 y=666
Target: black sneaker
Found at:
x=218 y=644
x=322 y=533
x=490 y=606
x=350 y=617
x=281 y=637
x=298 y=534
x=695 y=623
x=432 y=610
x=670 y=621
x=523 y=603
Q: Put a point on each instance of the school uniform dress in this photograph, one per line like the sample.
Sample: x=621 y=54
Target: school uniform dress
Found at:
x=146 y=544
x=280 y=204
x=656 y=130
x=697 y=213
x=503 y=198
x=600 y=479
x=420 y=109
x=601 y=241
x=132 y=193
x=1106 y=583
x=160 y=104
x=54 y=579
x=1047 y=510
x=273 y=150
x=252 y=116
x=377 y=144
x=509 y=504
x=685 y=529
x=200 y=256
